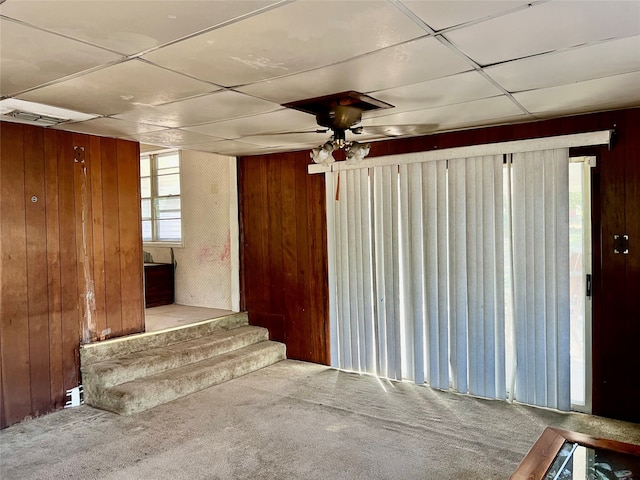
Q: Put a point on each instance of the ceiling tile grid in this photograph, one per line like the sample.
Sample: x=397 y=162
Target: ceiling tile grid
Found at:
x=220 y=105
x=214 y=75
x=546 y=27
x=292 y=38
x=32 y=57
x=131 y=26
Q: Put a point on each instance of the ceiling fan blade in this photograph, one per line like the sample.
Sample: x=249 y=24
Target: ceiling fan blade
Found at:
x=292 y=132
x=398 y=130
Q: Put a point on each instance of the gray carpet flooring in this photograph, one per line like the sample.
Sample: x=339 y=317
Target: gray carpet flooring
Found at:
x=293 y=420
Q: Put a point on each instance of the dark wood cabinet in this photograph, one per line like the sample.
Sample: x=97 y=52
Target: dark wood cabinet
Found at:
x=158 y=284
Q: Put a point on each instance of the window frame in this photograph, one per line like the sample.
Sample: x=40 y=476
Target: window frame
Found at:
x=152 y=157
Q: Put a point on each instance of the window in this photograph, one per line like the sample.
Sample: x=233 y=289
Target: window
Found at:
x=161 y=206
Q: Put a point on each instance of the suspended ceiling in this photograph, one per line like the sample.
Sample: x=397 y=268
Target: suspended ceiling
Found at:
x=213 y=75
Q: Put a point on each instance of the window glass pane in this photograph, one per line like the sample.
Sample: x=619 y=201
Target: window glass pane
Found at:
x=168 y=163
x=508 y=283
x=168 y=207
x=145 y=166
x=146 y=208
x=168 y=185
x=577 y=286
x=168 y=230
x=145 y=187
x=146 y=230
x=160 y=203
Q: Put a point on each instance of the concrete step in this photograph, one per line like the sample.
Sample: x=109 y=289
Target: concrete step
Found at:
x=128 y=367
x=108 y=349
x=144 y=393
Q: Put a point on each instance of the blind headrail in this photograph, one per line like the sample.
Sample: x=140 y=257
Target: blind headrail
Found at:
x=602 y=137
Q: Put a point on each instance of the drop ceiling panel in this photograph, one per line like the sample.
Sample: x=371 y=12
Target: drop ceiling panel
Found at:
x=280 y=121
x=204 y=109
x=132 y=26
x=411 y=62
x=288 y=39
x=302 y=139
x=569 y=66
x=172 y=138
x=108 y=127
x=443 y=14
x=146 y=148
x=434 y=93
x=227 y=147
x=546 y=27
x=591 y=95
x=119 y=88
x=31 y=57
x=486 y=110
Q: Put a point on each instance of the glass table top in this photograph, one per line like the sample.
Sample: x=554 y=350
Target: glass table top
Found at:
x=579 y=462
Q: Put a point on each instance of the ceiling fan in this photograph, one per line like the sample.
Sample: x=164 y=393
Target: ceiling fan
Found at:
x=341 y=113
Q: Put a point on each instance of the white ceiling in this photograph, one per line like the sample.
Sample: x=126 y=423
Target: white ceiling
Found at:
x=212 y=75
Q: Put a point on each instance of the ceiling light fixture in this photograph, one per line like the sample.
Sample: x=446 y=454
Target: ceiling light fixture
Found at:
x=323 y=154
x=34 y=118
x=22 y=111
x=355 y=151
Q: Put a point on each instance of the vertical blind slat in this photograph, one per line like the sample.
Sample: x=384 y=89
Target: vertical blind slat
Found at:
x=405 y=290
x=417 y=276
x=458 y=273
x=332 y=283
x=391 y=270
x=352 y=261
x=343 y=277
x=379 y=282
x=367 y=234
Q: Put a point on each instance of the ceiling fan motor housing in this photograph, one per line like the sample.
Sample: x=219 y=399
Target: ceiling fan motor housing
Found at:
x=341 y=117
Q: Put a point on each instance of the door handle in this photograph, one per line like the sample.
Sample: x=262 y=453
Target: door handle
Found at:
x=621 y=244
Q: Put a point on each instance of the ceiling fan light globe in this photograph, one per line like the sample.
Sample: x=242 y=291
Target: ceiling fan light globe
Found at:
x=356 y=152
x=322 y=154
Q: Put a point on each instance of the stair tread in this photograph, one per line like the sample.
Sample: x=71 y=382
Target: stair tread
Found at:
x=135 y=359
x=133 y=396
x=215 y=362
x=101 y=351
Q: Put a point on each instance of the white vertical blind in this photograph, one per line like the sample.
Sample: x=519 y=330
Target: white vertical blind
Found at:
x=476 y=286
x=408 y=288
x=541 y=277
x=336 y=339
x=416 y=273
x=458 y=274
x=436 y=272
x=387 y=274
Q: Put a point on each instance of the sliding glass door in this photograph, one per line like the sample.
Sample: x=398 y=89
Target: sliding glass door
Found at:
x=580 y=271
x=469 y=274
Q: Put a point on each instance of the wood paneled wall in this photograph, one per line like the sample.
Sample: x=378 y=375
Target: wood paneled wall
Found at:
x=283 y=252
x=282 y=292
x=70 y=259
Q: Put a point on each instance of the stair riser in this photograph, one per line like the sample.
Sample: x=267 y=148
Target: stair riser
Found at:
x=97 y=352
x=120 y=400
x=96 y=377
